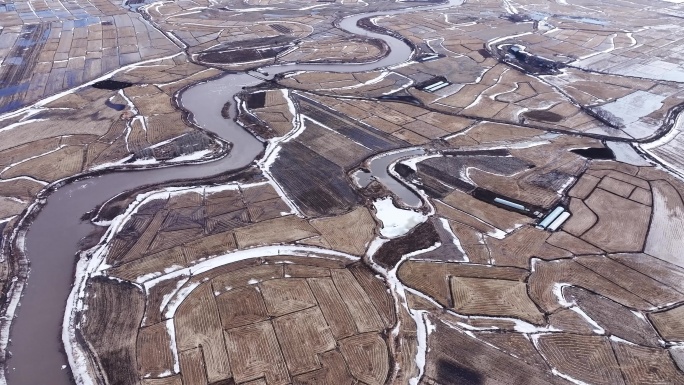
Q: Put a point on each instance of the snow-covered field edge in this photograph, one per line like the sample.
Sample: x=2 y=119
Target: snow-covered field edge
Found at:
x=13 y=250
x=93 y=262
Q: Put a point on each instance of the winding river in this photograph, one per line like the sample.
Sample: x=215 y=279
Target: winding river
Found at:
x=53 y=237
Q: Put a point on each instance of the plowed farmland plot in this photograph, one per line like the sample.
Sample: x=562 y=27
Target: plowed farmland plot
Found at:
x=352 y=193
x=258 y=323
x=461 y=293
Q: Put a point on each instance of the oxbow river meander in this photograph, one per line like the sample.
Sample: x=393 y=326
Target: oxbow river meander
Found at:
x=53 y=238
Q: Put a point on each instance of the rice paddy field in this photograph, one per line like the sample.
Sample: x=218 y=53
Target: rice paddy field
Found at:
x=504 y=205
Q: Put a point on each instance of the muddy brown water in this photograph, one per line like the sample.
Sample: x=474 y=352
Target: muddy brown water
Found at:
x=379 y=170
x=53 y=237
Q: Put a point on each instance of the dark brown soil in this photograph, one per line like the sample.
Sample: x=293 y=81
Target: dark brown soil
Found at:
x=255 y=100
x=110 y=328
x=88 y=242
x=225 y=111
x=595 y=153
x=455 y=358
x=448 y=251
x=316 y=185
x=260 y=42
x=281 y=28
x=241 y=55
x=369 y=137
x=547 y=116
x=458 y=374
x=618 y=320
x=553 y=180
x=422 y=237
x=256 y=127
x=112 y=85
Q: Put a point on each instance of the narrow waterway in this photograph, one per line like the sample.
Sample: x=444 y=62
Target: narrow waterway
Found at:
x=53 y=237
x=380 y=170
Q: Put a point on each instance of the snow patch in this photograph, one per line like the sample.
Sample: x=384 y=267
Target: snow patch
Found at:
x=413 y=162
x=171 y=329
x=625 y=153
x=632 y=108
x=395 y=221
x=192 y=156
x=618 y=339
x=178 y=298
x=455 y=240
x=167 y=297
x=4 y=220
x=558 y=292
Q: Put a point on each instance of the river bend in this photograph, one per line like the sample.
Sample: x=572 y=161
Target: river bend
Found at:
x=53 y=238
